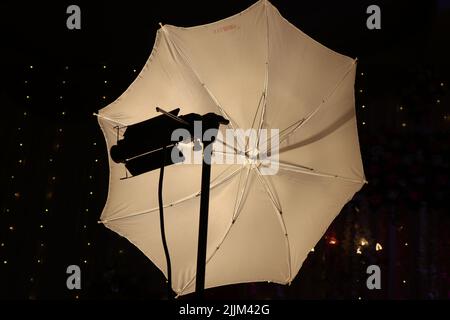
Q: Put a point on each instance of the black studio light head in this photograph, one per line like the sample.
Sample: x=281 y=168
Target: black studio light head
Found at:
x=145 y=145
x=148 y=145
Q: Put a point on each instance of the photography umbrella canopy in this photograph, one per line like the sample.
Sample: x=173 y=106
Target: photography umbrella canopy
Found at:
x=258 y=71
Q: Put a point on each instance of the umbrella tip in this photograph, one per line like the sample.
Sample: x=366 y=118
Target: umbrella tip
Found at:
x=160 y=24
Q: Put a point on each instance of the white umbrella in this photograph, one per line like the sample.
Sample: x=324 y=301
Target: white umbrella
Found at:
x=260 y=71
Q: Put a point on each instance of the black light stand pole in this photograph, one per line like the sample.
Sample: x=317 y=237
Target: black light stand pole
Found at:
x=203 y=220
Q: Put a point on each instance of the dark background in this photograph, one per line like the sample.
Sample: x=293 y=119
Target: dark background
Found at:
x=54 y=172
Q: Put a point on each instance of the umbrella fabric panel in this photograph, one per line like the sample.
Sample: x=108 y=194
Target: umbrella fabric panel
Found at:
x=181 y=222
x=302 y=72
x=254 y=248
x=328 y=141
x=138 y=195
x=229 y=58
x=337 y=154
x=126 y=196
x=165 y=81
x=309 y=210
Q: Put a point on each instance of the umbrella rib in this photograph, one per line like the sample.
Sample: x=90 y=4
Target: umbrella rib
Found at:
x=271 y=195
x=286 y=132
x=109 y=119
x=214 y=184
x=240 y=195
x=279 y=214
x=311 y=171
x=229 y=146
x=257 y=109
x=254 y=118
x=261 y=122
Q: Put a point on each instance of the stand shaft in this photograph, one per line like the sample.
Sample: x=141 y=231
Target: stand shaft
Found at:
x=203 y=222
